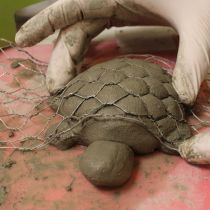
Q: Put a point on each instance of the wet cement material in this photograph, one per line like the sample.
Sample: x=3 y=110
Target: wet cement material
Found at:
x=126 y=101
x=107 y=163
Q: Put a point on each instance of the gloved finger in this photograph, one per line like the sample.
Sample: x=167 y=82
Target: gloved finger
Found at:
x=67 y=12
x=69 y=52
x=192 y=61
x=196 y=149
x=150 y=39
x=59 y=15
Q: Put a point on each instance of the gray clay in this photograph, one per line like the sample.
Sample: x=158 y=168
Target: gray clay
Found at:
x=123 y=100
x=107 y=163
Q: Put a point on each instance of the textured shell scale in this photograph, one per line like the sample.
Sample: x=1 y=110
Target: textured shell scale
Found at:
x=132 y=89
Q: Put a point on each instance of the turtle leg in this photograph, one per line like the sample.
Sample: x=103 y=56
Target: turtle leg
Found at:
x=57 y=136
x=196 y=149
x=170 y=151
x=107 y=163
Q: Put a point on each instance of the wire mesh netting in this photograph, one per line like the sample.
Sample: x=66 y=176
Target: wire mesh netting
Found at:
x=25 y=114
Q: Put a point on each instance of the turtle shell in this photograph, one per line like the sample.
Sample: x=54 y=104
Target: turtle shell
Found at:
x=124 y=100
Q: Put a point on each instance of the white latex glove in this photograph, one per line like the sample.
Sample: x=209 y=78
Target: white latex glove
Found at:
x=81 y=20
x=196 y=150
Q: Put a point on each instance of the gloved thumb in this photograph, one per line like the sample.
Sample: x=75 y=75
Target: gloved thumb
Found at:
x=192 y=61
x=61 y=68
x=69 y=52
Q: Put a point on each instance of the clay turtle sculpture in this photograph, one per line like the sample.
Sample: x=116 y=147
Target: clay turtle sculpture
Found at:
x=117 y=108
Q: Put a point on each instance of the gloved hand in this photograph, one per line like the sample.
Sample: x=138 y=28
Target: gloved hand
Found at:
x=82 y=20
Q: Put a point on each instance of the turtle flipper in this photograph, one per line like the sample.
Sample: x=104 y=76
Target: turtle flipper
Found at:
x=196 y=149
x=58 y=136
x=107 y=163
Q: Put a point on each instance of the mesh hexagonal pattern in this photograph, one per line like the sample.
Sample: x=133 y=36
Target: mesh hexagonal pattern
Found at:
x=128 y=88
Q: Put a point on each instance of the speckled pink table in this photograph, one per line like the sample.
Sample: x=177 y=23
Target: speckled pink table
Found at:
x=50 y=179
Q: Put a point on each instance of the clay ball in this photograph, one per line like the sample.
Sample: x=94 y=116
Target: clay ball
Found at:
x=107 y=163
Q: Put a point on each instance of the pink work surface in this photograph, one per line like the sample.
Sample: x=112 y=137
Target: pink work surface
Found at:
x=51 y=179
